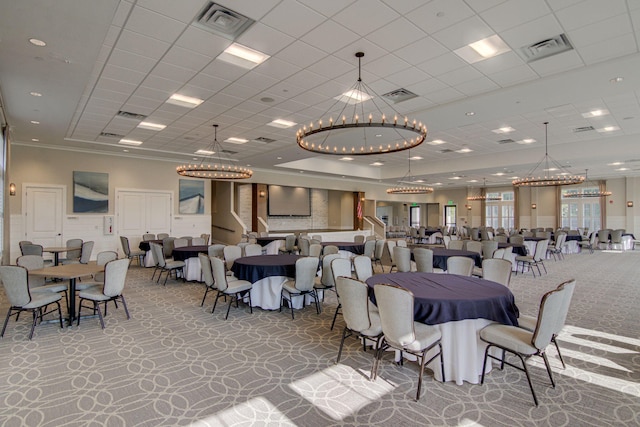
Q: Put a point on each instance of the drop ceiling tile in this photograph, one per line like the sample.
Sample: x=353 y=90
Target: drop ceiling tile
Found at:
x=306 y=79
x=588 y=12
x=421 y=50
x=403 y=6
x=208 y=82
x=445 y=95
x=385 y=66
x=184 y=11
x=123 y=74
x=601 y=31
x=112 y=36
x=532 y=32
x=365 y=16
x=408 y=77
x=611 y=48
x=293 y=18
x=513 y=13
x=461 y=75
x=482 y=5
x=511 y=76
x=107 y=99
x=203 y=42
x=132 y=61
x=301 y=54
x=159 y=95
x=499 y=63
x=330 y=37
x=251 y=8
x=371 y=51
x=265 y=39
x=161 y=84
x=327 y=7
x=424 y=88
x=115 y=86
x=253 y=107
x=463 y=33
x=224 y=70
x=141 y=105
x=276 y=68
x=331 y=67
x=185 y=58
x=154 y=25
x=439 y=14
x=557 y=63
x=120 y=17
x=396 y=34
x=140 y=44
x=173 y=72
x=442 y=64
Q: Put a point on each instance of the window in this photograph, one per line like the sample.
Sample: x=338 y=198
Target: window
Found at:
x=579 y=213
x=414 y=216
x=450 y=215
x=499 y=213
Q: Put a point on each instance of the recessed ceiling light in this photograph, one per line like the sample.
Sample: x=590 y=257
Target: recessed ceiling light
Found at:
x=205 y=152
x=564 y=173
x=130 y=142
x=482 y=49
x=378 y=135
x=151 y=126
x=595 y=113
x=514 y=177
x=470 y=113
x=615 y=164
x=195 y=158
x=376 y=164
x=622 y=169
x=498 y=174
x=281 y=123
x=416 y=158
x=126 y=151
x=419 y=181
x=35 y=122
x=550 y=169
x=35 y=94
x=464 y=150
x=436 y=142
x=35 y=139
x=504 y=129
x=473 y=180
x=616 y=80
x=279 y=158
x=353 y=96
x=243 y=56
x=37 y=42
x=608 y=129
x=437 y=183
x=235 y=140
x=301 y=171
x=455 y=177
x=346 y=159
x=184 y=101
x=526 y=141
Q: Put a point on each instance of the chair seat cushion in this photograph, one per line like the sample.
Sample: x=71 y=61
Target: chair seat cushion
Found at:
x=42 y=299
x=477 y=271
x=170 y=265
x=524 y=258
x=86 y=285
x=426 y=335
x=137 y=253
x=527 y=322
x=94 y=293
x=238 y=286
x=48 y=288
x=376 y=326
x=290 y=286
x=510 y=337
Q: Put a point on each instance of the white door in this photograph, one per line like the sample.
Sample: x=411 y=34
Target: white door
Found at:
x=43 y=207
x=141 y=212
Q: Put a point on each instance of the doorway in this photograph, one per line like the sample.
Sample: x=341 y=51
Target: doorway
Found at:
x=43 y=209
x=450 y=215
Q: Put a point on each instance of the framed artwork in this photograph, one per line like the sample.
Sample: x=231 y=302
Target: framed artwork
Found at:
x=90 y=192
x=191 y=196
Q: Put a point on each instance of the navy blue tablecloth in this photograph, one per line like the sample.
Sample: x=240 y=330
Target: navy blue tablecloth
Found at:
x=518 y=249
x=355 y=248
x=185 y=252
x=254 y=268
x=441 y=298
x=144 y=245
x=440 y=256
x=264 y=241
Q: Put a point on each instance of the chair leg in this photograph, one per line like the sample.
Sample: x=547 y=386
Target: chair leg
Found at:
x=206 y=291
x=526 y=371
x=97 y=306
x=124 y=304
x=484 y=363
x=33 y=324
x=6 y=320
x=553 y=339
x=423 y=359
x=79 y=311
x=60 y=315
x=344 y=336
x=216 y=302
x=335 y=316
x=546 y=362
x=229 y=305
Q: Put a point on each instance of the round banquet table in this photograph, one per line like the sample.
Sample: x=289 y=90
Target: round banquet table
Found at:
x=267 y=273
x=189 y=254
x=352 y=247
x=440 y=256
x=518 y=249
x=149 y=259
x=459 y=307
x=264 y=241
x=271 y=244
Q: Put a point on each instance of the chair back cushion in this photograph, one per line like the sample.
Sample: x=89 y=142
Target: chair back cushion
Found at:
x=340 y=267
x=548 y=317
x=363 y=267
x=330 y=250
x=306 y=269
x=424 y=260
x=488 y=248
x=461 y=265
x=497 y=270
x=327 y=274
x=31 y=249
x=219 y=274
x=216 y=250
x=158 y=254
x=354 y=301
x=207 y=273
x=75 y=253
x=179 y=243
x=402 y=258
x=16 y=287
x=105 y=256
x=87 y=248
x=231 y=253
x=253 y=249
x=115 y=276
x=315 y=249
x=395 y=305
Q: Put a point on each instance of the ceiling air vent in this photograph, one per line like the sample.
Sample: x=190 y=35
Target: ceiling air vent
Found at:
x=399 y=95
x=222 y=21
x=583 y=129
x=546 y=48
x=264 y=140
x=111 y=135
x=505 y=141
x=446 y=150
x=129 y=115
x=229 y=152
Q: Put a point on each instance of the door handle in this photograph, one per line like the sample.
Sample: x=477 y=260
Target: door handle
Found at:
x=59 y=234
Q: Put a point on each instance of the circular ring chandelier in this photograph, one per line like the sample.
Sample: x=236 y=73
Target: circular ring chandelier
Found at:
x=585 y=194
x=377 y=132
x=482 y=197
x=565 y=178
x=209 y=168
x=411 y=189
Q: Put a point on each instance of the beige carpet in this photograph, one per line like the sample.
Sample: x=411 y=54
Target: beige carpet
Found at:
x=174 y=363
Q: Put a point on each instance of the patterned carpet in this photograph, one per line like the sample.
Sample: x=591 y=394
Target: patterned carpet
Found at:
x=174 y=364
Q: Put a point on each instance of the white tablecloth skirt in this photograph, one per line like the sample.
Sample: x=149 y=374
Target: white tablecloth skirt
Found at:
x=266 y=294
x=193 y=270
x=271 y=248
x=463 y=351
x=149 y=259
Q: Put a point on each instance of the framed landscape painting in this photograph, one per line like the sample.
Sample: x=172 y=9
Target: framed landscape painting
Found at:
x=90 y=192
x=191 y=196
